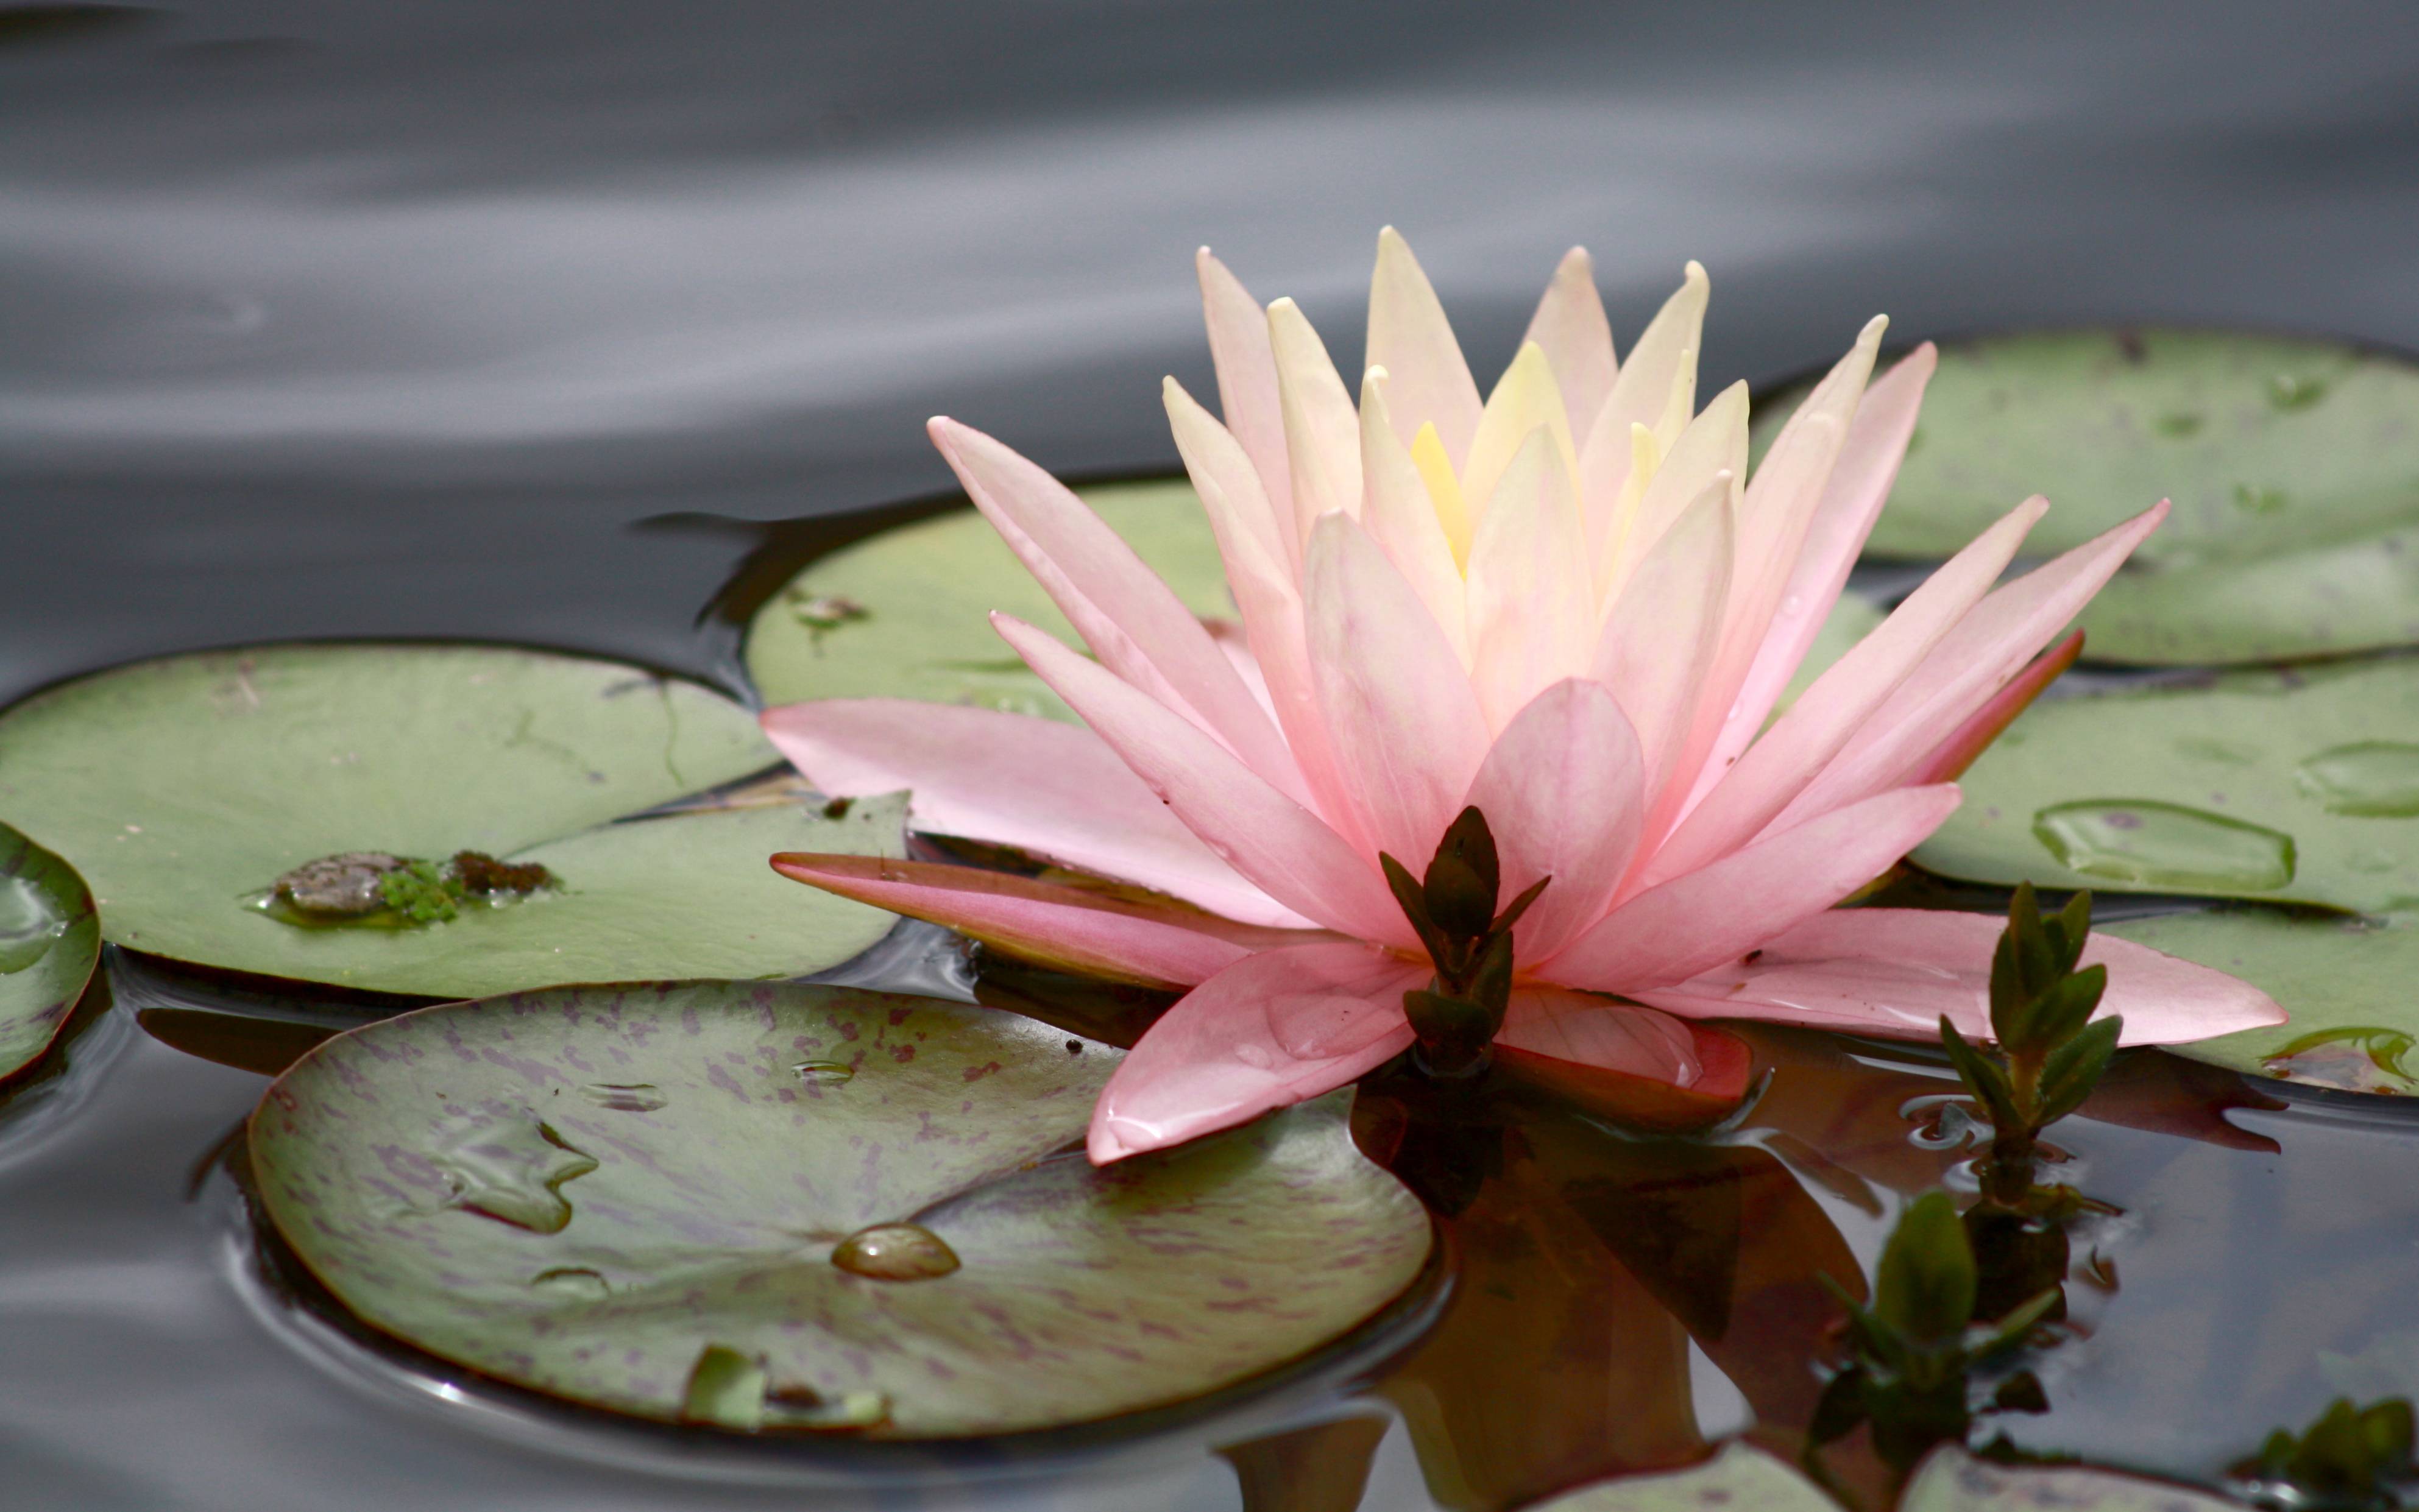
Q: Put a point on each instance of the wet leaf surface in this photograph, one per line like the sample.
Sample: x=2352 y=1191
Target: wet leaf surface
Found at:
x=2276 y=785
x=451 y=1175
x=905 y=613
x=2293 y=465
x=183 y=788
x=49 y=944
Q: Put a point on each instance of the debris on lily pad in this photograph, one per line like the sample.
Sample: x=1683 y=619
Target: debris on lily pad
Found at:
x=428 y=819
x=664 y=1200
x=2294 y=785
x=48 y=944
x=906 y=613
x=2293 y=464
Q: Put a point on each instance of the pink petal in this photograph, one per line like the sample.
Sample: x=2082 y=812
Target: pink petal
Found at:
x=1531 y=597
x=1262 y=559
x=1694 y=923
x=1287 y=851
x=1130 y=619
x=1401 y=717
x=1656 y=647
x=1970 y=664
x=1561 y=792
x=1852 y=500
x=1578 y=340
x=1895 y=971
x=1715 y=442
x=1411 y=338
x=1400 y=515
x=1774 y=517
x=1267 y=1032
x=1050 y=789
x=1565 y=1025
x=1663 y=359
x=1066 y=928
x=1247 y=387
x=1322 y=432
x=1950 y=759
x=1779 y=764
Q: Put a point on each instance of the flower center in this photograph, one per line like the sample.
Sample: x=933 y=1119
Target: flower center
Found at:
x=1453 y=907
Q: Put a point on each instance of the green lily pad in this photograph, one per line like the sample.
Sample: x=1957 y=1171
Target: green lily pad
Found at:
x=2293 y=465
x=48 y=944
x=2299 y=786
x=1952 y=1480
x=2346 y=982
x=906 y=613
x=1737 y=1477
x=778 y=1207
x=184 y=788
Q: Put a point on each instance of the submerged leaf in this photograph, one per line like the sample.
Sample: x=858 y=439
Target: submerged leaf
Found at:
x=49 y=944
x=794 y=1222
x=189 y=788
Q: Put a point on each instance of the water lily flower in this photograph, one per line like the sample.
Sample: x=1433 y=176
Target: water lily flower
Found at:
x=1568 y=606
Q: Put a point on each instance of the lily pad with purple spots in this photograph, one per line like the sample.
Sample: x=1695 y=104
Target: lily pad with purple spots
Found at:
x=48 y=944
x=782 y=1208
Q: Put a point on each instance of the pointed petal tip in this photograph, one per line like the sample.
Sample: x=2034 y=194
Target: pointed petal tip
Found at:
x=1693 y=272
x=1872 y=332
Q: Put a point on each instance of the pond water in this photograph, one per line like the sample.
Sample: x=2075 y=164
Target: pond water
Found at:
x=533 y=321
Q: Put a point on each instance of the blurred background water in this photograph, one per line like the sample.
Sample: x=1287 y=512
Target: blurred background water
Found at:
x=408 y=320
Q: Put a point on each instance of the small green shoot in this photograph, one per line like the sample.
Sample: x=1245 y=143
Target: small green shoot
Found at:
x=1453 y=908
x=1914 y=1353
x=2351 y=1459
x=417 y=890
x=2051 y=1052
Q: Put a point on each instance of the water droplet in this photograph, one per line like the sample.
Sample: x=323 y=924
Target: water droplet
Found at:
x=895 y=1252
x=821 y=1073
x=802 y=1406
x=726 y=1388
x=1944 y=1122
x=1256 y=1057
x=2371 y=778
x=2356 y=1059
x=29 y=921
x=2152 y=844
x=2294 y=391
x=511 y=1171
x=572 y=1281
x=638 y=1097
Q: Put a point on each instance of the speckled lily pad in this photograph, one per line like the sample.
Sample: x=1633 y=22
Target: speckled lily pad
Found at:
x=182 y=789
x=48 y=944
x=906 y=613
x=2277 y=786
x=2293 y=465
x=687 y=1202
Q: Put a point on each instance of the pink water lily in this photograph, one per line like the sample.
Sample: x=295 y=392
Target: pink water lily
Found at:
x=1567 y=605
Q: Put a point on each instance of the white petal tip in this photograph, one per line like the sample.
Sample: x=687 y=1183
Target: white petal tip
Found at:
x=1693 y=274
x=1873 y=329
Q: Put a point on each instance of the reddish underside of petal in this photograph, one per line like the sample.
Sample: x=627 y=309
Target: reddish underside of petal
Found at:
x=1725 y=1069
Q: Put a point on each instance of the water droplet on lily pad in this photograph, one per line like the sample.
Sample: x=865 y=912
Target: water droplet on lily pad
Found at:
x=32 y=918
x=2373 y=779
x=822 y=1072
x=802 y=1406
x=513 y=1169
x=572 y=1281
x=50 y=942
x=726 y=1389
x=895 y=1252
x=632 y=1098
x=2152 y=844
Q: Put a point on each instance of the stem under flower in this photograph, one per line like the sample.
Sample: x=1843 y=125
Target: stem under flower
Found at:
x=1453 y=908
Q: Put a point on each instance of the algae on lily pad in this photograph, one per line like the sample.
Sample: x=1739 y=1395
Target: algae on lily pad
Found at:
x=2293 y=465
x=782 y=1207
x=49 y=944
x=184 y=789
x=906 y=613
x=2281 y=786
x=2352 y=986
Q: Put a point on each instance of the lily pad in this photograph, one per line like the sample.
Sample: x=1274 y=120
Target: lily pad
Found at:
x=2291 y=786
x=2293 y=465
x=1737 y=1477
x=2346 y=983
x=48 y=944
x=906 y=613
x=1954 y=1481
x=184 y=788
x=809 y=1208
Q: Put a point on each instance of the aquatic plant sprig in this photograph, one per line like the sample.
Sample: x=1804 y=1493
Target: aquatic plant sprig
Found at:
x=1452 y=906
x=2051 y=1052
x=1914 y=1355
x=2350 y=1459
